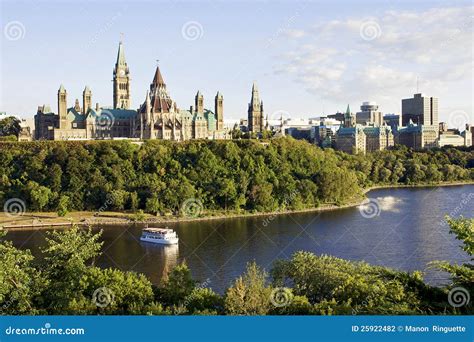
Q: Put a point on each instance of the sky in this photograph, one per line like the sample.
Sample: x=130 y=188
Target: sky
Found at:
x=308 y=58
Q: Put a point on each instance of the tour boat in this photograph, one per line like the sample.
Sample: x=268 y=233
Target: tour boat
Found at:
x=163 y=236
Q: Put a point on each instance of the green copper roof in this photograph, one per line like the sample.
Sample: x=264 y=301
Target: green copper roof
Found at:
x=348 y=111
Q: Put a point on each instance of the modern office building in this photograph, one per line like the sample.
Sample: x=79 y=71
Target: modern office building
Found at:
x=369 y=114
x=420 y=110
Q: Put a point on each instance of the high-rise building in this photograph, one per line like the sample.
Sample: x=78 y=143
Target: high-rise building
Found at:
x=256 y=119
x=421 y=110
x=121 y=81
x=369 y=114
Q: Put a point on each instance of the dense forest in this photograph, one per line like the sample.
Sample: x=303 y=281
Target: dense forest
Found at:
x=235 y=176
x=65 y=281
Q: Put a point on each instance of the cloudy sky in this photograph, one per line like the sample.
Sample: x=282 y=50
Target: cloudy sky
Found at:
x=308 y=58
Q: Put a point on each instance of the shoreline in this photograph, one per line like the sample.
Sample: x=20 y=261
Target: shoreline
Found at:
x=113 y=218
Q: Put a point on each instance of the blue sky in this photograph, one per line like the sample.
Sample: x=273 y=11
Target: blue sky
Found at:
x=307 y=57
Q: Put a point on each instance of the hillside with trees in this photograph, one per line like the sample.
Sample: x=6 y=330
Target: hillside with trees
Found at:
x=227 y=176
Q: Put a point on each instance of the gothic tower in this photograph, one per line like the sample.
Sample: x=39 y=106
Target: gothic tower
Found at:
x=219 y=109
x=256 y=119
x=121 y=81
x=199 y=102
x=349 y=120
x=86 y=100
x=62 y=107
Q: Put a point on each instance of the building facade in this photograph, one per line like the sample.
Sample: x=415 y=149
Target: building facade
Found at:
x=417 y=136
x=420 y=110
x=256 y=119
x=158 y=117
x=369 y=114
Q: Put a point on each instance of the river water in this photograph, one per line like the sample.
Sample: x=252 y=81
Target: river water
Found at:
x=401 y=228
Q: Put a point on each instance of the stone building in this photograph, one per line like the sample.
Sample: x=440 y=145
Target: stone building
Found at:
x=256 y=119
x=378 y=138
x=417 y=136
x=158 y=117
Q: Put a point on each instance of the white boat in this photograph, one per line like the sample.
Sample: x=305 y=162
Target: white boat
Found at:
x=163 y=236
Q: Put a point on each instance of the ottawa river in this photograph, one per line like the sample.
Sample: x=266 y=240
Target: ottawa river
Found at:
x=406 y=233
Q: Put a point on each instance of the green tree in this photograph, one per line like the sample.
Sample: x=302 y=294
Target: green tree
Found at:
x=462 y=275
x=177 y=287
x=67 y=255
x=249 y=295
x=63 y=206
x=20 y=281
x=10 y=126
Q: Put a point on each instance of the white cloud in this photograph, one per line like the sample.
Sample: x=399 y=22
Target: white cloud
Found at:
x=343 y=60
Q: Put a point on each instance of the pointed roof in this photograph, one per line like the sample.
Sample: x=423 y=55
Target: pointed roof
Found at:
x=87 y=89
x=121 y=56
x=158 y=79
x=348 y=111
x=62 y=89
x=254 y=86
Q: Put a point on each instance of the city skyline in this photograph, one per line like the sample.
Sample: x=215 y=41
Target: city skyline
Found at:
x=305 y=64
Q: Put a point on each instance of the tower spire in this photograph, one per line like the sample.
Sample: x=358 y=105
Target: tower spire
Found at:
x=121 y=80
x=121 y=56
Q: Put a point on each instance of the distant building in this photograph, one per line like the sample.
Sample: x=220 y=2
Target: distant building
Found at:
x=392 y=120
x=378 y=138
x=337 y=116
x=420 y=110
x=417 y=136
x=256 y=119
x=443 y=127
x=369 y=114
x=452 y=137
x=25 y=132
x=351 y=139
x=158 y=117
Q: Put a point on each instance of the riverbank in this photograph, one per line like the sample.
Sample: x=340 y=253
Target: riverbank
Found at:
x=38 y=220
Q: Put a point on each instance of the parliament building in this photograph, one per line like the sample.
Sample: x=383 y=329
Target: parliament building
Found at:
x=158 y=117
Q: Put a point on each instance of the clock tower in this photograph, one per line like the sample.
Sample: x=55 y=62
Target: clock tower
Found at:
x=121 y=81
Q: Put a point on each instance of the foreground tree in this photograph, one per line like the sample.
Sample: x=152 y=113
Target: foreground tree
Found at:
x=249 y=295
x=20 y=282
